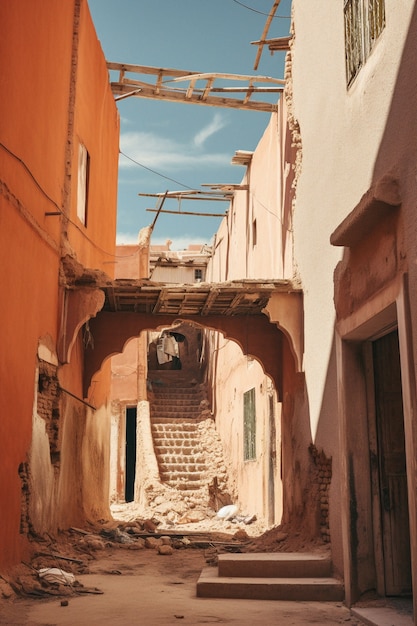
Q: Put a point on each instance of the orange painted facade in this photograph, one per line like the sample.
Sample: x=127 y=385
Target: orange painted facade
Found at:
x=54 y=94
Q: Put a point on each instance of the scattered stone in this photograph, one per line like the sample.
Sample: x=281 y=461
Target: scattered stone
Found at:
x=64 y=602
x=152 y=543
x=241 y=535
x=149 y=526
x=6 y=590
x=166 y=541
x=93 y=543
x=165 y=549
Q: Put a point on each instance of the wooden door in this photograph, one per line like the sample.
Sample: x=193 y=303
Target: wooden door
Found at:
x=392 y=465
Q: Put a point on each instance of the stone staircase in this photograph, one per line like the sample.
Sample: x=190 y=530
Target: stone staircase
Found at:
x=292 y=576
x=175 y=413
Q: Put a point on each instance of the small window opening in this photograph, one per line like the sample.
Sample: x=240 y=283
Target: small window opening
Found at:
x=198 y=275
x=83 y=182
x=249 y=425
x=254 y=233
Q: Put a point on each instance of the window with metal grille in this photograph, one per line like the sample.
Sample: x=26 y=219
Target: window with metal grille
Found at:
x=364 y=22
x=249 y=425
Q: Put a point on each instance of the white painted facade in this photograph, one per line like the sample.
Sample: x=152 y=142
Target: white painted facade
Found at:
x=350 y=176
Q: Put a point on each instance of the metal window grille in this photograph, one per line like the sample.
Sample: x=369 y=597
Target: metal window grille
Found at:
x=364 y=22
x=376 y=20
x=353 y=38
x=249 y=425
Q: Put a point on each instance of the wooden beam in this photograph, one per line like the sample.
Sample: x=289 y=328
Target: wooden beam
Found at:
x=265 y=32
x=189 y=213
x=170 y=95
x=279 y=43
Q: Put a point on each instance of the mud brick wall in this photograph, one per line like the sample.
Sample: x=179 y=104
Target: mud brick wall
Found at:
x=323 y=478
x=48 y=405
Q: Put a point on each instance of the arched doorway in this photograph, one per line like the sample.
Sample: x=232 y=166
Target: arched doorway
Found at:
x=207 y=392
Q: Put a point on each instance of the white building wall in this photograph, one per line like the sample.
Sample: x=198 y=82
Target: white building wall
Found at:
x=269 y=177
x=238 y=256
x=341 y=130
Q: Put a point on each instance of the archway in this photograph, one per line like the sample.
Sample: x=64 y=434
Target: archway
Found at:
x=220 y=415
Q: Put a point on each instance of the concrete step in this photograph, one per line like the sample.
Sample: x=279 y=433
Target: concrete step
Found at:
x=275 y=565
x=321 y=589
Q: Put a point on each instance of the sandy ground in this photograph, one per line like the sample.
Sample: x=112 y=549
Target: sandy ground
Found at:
x=145 y=588
x=132 y=583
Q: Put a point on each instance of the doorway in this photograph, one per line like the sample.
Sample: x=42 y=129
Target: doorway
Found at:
x=390 y=475
x=130 y=456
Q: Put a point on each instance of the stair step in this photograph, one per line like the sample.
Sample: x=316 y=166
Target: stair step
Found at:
x=190 y=485
x=166 y=466
x=181 y=475
x=275 y=565
x=175 y=441
x=182 y=424
x=321 y=589
x=183 y=451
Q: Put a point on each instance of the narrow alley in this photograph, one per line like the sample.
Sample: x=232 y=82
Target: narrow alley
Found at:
x=221 y=429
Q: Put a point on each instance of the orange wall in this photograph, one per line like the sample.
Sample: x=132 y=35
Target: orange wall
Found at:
x=96 y=125
x=35 y=56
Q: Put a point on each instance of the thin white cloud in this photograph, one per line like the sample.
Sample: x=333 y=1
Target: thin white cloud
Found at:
x=127 y=239
x=217 y=123
x=177 y=243
x=159 y=152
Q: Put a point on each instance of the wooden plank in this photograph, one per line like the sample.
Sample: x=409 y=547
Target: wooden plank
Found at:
x=209 y=84
x=265 y=31
x=147 y=69
x=278 y=43
x=210 y=300
x=188 y=213
x=174 y=96
x=190 y=89
x=216 y=75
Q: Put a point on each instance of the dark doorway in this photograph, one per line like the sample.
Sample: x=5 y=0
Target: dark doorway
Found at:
x=130 y=466
x=392 y=465
x=272 y=462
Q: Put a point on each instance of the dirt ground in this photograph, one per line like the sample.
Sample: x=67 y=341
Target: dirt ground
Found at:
x=124 y=573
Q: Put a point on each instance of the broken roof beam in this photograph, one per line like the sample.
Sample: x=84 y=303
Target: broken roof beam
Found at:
x=188 y=213
x=207 y=95
x=276 y=44
x=212 y=196
x=265 y=32
x=210 y=300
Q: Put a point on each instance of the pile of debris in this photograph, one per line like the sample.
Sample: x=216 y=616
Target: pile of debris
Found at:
x=56 y=562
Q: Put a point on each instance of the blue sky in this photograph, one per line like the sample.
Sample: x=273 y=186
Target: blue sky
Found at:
x=190 y=144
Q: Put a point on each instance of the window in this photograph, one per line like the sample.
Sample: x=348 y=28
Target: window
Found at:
x=249 y=425
x=83 y=180
x=364 y=22
x=198 y=275
x=254 y=233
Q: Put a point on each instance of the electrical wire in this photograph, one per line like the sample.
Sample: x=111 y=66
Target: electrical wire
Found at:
x=59 y=209
x=282 y=17
x=155 y=172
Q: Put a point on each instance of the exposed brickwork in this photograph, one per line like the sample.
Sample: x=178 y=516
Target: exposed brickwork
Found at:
x=48 y=405
x=323 y=478
x=25 y=525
